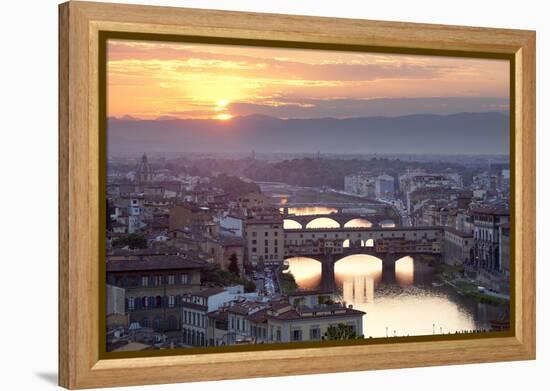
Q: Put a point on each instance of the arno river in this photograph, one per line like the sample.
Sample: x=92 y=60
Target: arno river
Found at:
x=410 y=301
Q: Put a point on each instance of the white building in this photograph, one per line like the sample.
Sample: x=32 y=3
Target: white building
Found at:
x=384 y=186
x=195 y=309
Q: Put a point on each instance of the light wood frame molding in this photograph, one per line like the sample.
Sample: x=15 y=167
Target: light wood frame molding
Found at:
x=80 y=364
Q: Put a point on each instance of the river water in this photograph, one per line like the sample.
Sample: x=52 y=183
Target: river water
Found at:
x=405 y=302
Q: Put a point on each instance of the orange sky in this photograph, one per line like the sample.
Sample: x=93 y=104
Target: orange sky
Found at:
x=150 y=80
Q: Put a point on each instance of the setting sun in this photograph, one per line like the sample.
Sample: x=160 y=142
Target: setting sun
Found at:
x=222 y=103
x=223 y=117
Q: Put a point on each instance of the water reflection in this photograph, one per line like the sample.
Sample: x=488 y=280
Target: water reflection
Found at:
x=357 y=265
x=306 y=271
x=401 y=302
x=360 y=289
x=404 y=271
x=387 y=224
x=312 y=210
x=358 y=223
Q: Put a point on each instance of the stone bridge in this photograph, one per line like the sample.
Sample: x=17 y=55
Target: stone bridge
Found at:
x=340 y=220
x=329 y=260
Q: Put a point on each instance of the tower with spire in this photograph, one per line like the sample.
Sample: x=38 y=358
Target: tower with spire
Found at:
x=144 y=174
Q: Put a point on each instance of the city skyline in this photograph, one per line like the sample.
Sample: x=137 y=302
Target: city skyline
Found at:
x=247 y=201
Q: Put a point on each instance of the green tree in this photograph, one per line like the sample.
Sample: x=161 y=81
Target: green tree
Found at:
x=340 y=332
x=133 y=241
x=233 y=266
x=216 y=276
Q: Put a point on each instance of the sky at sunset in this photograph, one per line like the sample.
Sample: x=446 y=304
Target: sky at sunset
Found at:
x=150 y=80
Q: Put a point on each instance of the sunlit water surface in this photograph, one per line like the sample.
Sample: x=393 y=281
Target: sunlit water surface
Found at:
x=401 y=303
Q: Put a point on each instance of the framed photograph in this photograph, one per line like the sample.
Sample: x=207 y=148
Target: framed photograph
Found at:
x=248 y=195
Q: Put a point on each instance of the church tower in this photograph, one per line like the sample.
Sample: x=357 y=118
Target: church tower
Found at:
x=144 y=173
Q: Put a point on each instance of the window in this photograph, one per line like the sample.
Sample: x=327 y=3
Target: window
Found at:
x=171 y=301
x=253 y=249
x=254 y=241
x=314 y=332
x=254 y=234
x=266 y=250
x=276 y=233
x=266 y=242
x=171 y=279
x=144 y=281
x=158 y=280
x=266 y=234
x=184 y=279
x=276 y=242
x=131 y=304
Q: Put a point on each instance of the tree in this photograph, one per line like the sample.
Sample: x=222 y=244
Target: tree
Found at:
x=340 y=332
x=233 y=266
x=133 y=241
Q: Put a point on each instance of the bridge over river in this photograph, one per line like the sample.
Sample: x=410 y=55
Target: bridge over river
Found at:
x=340 y=220
x=330 y=245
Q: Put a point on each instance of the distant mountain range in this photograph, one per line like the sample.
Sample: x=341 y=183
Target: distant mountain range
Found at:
x=463 y=133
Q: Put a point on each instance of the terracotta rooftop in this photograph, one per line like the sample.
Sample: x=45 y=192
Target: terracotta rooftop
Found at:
x=295 y=315
x=311 y=292
x=153 y=262
x=209 y=292
x=491 y=210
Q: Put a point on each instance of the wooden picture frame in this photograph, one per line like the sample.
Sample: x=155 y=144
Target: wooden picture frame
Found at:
x=81 y=364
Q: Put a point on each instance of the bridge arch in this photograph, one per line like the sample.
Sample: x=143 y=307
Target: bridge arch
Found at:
x=291 y=224
x=307 y=271
x=358 y=222
x=369 y=242
x=352 y=266
x=323 y=222
x=388 y=223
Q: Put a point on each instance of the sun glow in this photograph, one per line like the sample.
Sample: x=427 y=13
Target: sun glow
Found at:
x=222 y=103
x=223 y=117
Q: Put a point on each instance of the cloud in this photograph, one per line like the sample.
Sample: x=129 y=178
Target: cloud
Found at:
x=345 y=108
x=153 y=79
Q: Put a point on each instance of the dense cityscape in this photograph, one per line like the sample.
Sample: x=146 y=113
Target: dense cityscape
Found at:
x=265 y=195
x=216 y=250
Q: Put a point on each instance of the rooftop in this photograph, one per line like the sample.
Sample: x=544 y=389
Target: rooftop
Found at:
x=311 y=293
x=210 y=292
x=491 y=210
x=456 y=232
x=153 y=262
x=302 y=313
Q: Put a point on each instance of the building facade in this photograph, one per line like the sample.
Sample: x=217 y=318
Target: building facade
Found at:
x=265 y=239
x=457 y=247
x=384 y=186
x=154 y=286
x=196 y=307
x=487 y=237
